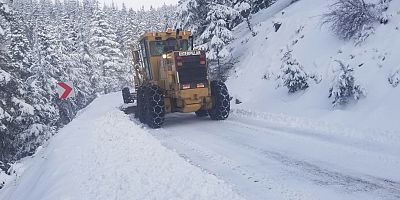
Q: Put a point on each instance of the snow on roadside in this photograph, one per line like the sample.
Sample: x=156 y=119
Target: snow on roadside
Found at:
x=104 y=155
x=379 y=139
x=375 y=63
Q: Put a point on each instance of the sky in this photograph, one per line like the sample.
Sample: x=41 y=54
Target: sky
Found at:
x=137 y=4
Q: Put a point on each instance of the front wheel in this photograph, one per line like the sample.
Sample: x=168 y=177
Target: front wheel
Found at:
x=201 y=113
x=221 y=101
x=140 y=109
x=138 y=102
x=154 y=107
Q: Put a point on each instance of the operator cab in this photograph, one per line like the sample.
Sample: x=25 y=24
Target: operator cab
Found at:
x=155 y=44
x=157 y=48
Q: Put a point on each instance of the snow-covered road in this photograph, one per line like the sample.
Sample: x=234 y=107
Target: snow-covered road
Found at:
x=105 y=154
x=268 y=161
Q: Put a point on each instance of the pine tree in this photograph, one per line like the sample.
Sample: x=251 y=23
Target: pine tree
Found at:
x=43 y=42
x=293 y=75
x=6 y=137
x=191 y=15
x=21 y=60
x=217 y=35
x=344 y=87
x=42 y=82
x=182 y=15
x=110 y=72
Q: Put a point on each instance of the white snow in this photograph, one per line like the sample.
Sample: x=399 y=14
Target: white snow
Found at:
x=25 y=108
x=3 y=115
x=375 y=62
x=104 y=155
x=266 y=156
x=4 y=77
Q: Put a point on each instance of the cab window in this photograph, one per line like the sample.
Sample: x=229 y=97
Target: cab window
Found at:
x=184 y=45
x=159 y=47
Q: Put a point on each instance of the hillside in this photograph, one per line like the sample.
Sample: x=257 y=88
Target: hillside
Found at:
x=316 y=48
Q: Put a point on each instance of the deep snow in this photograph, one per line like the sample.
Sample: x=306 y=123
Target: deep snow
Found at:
x=316 y=48
x=104 y=155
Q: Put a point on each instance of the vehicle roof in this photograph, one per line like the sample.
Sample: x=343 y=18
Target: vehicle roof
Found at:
x=151 y=36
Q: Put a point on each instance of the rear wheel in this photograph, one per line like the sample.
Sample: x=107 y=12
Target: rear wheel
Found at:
x=126 y=95
x=154 y=107
x=201 y=113
x=221 y=107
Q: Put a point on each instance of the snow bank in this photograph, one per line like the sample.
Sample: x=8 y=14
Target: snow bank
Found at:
x=372 y=139
x=104 y=155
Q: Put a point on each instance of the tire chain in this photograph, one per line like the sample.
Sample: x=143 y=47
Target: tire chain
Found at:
x=140 y=103
x=221 y=109
x=156 y=106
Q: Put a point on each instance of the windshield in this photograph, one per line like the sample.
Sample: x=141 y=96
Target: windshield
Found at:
x=159 y=47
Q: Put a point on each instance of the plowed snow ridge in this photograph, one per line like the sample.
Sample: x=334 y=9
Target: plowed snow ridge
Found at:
x=103 y=155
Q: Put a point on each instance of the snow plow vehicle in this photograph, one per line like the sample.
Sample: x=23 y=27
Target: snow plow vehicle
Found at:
x=170 y=76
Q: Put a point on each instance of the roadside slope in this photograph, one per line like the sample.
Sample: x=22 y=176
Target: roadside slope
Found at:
x=104 y=155
x=254 y=81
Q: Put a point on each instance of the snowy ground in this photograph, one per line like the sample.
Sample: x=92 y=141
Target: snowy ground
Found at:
x=103 y=155
x=280 y=157
x=316 y=48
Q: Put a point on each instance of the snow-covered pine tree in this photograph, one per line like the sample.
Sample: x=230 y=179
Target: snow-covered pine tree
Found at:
x=50 y=41
x=86 y=60
x=4 y=17
x=133 y=29
x=344 y=87
x=168 y=15
x=244 y=8
x=217 y=36
x=46 y=72
x=71 y=66
x=6 y=137
x=183 y=15
x=21 y=60
x=122 y=30
x=192 y=14
x=110 y=72
x=292 y=74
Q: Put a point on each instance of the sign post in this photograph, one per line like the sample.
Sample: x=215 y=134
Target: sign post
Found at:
x=65 y=90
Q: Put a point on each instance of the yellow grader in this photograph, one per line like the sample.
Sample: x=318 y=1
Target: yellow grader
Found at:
x=170 y=76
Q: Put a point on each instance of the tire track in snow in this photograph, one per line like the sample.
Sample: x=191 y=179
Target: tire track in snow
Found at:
x=387 y=189
x=254 y=178
x=197 y=154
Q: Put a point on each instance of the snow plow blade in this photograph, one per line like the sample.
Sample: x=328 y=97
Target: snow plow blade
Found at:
x=128 y=108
